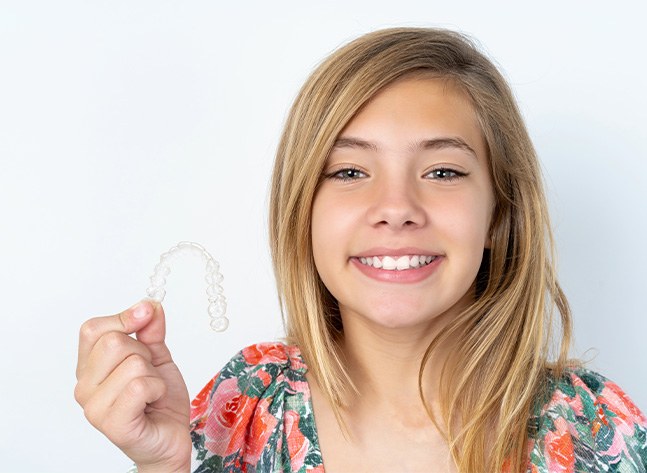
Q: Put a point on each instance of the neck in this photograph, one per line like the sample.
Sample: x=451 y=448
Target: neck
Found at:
x=384 y=363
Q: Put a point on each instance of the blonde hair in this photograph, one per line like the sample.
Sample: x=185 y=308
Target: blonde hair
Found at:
x=507 y=334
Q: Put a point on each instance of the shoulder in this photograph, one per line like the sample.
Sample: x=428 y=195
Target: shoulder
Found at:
x=261 y=362
x=588 y=423
x=258 y=402
x=257 y=371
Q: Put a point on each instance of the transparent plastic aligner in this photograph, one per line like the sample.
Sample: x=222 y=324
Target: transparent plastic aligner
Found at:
x=217 y=302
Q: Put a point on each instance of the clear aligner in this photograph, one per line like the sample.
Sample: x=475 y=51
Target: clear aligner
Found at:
x=217 y=302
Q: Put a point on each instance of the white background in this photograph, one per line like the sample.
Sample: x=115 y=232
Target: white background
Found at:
x=126 y=126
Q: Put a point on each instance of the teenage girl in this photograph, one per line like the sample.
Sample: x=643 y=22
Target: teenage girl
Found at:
x=413 y=257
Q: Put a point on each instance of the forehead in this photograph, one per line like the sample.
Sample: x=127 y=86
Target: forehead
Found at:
x=418 y=108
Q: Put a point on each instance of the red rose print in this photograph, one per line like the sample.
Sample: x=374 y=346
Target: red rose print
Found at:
x=265 y=353
x=297 y=442
x=622 y=405
x=262 y=426
x=200 y=404
x=559 y=449
x=226 y=427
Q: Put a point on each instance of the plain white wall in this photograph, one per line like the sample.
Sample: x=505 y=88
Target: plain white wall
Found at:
x=126 y=126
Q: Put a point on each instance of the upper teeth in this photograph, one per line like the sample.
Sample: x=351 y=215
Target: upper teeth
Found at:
x=397 y=263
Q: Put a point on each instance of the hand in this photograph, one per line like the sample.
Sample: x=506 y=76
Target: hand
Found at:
x=131 y=390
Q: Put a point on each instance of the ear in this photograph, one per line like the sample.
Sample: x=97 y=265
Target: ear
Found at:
x=488 y=241
x=490 y=231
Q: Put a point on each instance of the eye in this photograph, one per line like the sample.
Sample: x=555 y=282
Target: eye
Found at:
x=445 y=174
x=346 y=174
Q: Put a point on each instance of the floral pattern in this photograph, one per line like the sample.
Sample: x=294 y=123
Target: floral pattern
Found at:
x=588 y=425
x=256 y=416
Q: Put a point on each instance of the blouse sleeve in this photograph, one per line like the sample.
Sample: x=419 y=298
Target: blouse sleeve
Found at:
x=240 y=420
x=619 y=427
x=590 y=424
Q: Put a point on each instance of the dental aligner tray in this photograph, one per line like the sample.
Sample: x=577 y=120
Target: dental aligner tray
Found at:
x=217 y=303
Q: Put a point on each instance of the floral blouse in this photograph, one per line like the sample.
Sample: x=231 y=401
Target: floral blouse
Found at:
x=256 y=416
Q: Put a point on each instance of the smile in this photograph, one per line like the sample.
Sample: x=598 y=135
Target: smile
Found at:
x=397 y=263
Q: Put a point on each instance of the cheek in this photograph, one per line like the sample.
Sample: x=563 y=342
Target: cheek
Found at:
x=323 y=232
x=465 y=220
x=333 y=223
x=320 y=215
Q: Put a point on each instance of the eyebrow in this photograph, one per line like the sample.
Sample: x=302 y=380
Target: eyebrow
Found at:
x=431 y=144
x=351 y=142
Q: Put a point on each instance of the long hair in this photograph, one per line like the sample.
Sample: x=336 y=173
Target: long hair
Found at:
x=510 y=340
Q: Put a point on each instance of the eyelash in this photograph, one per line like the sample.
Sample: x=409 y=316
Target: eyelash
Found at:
x=456 y=174
x=343 y=174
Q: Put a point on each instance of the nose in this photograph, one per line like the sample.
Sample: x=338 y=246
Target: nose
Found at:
x=397 y=205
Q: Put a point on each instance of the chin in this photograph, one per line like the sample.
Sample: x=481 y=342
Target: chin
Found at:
x=400 y=320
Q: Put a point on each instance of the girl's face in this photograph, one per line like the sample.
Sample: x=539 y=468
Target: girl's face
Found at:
x=401 y=217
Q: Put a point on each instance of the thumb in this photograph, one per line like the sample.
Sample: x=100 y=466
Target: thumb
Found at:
x=153 y=333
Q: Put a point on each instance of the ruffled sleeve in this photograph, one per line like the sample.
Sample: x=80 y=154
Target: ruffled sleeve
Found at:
x=588 y=425
x=256 y=415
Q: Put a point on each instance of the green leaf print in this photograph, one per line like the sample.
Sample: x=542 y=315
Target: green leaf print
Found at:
x=210 y=465
x=593 y=382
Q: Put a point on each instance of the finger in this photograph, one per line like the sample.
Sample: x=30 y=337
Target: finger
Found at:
x=127 y=420
x=126 y=322
x=110 y=351
x=97 y=400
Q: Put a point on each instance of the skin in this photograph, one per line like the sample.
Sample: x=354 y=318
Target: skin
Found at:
x=132 y=391
x=398 y=194
x=437 y=199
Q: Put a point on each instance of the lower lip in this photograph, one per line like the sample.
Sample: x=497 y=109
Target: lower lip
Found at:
x=408 y=276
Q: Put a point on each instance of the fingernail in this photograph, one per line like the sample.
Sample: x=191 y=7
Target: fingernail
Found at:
x=140 y=310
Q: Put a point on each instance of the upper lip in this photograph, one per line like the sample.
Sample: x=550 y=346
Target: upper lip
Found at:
x=383 y=251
